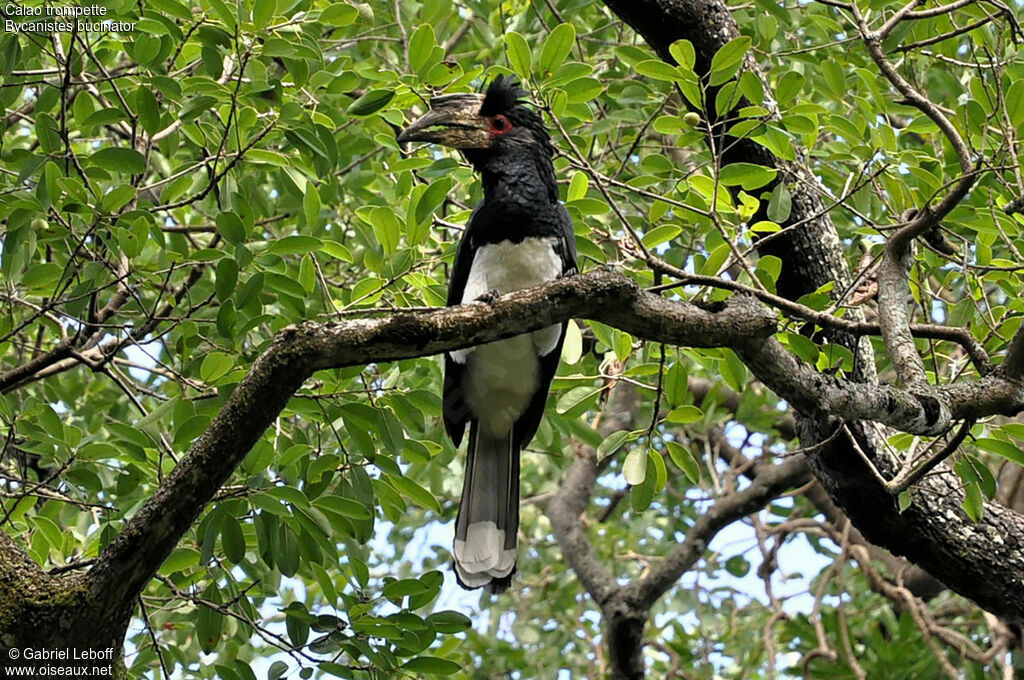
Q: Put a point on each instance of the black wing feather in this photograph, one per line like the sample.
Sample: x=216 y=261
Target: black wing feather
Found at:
x=526 y=426
x=455 y=410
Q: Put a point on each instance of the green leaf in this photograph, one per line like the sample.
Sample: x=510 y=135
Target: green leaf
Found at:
x=656 y=465
x=662 y=234
x=449 y=622
x=42 y=276
x=432 y=665
x=641 y=495
x=339 y=14
x=226 y=278
x=386 y=227
x=371 y=102
x=577 y=186
x=215 y=365
x=572 y=348
x=117 y=198
x=343 y=506
x=118 y=159
x=232 y=539
x=48 y=133
x=518 y=51
x=104 y=117
x=634 y=468
x=780 y=204
x=789 y=86
x=1015 y=102
x=311 y=206
x=148 y=109
x=771 y=267
x=727 y=60
x=803 y=347
x=294 y=245
x=396 y=590
x=832 y=76
x=414 y=492
x=684 y=460
x=432 y=198
x=676 y=384
x=582 y=90
x=421 y=45
x=1000 y=448
x=715 y=260
x=734 y=371
x=209 y=623
x=179 y=560
x=556 y=47
x=746 y=175
x=230 y=227
x=573 y=398
x=612 y=443
x=222 y=11
x=277 y=669
x=682 y=51
x=297 y=623
x=974 y=504
x=97 y=451
x=657 y=69
x=684 y=415
x=289 y=494
x=50 y=531
x=263 y=12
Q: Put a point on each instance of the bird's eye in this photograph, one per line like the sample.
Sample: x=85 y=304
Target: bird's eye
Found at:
x=499 y=124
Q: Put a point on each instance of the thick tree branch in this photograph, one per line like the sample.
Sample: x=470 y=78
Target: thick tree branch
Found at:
x=564 y=510
x=931 y=413
x=126 y=565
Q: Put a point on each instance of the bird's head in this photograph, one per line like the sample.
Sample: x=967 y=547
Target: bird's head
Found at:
x=493 y=123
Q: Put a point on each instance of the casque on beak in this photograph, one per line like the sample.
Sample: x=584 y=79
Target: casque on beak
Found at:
x=453 y=120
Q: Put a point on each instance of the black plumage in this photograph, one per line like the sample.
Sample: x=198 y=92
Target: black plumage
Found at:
x=517 y=237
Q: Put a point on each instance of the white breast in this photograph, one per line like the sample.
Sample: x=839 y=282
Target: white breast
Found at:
x=503 y=375
x=508 y=266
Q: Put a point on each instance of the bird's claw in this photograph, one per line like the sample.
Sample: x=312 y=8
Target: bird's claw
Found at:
x=490 y=297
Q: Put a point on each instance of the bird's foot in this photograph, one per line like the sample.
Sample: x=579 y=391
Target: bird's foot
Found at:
x=490 y=297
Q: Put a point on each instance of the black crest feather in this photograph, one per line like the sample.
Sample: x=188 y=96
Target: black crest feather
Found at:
x=503 y=94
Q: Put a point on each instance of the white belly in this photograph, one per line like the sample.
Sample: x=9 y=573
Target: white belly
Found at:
x=504 y=374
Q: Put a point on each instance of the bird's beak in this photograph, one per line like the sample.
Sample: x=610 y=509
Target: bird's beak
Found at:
x=453 y=120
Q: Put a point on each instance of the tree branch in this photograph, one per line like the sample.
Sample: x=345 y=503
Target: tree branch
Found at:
x=127 y=564
x=771 y=481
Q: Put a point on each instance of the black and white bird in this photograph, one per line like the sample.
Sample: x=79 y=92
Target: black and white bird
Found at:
x=519 y=236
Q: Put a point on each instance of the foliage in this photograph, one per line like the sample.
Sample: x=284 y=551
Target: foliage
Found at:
x=174 y=196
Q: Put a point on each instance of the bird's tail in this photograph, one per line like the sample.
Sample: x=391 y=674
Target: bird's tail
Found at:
x=488 y=521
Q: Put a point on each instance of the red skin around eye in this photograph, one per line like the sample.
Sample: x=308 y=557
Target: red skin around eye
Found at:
x=499 y=124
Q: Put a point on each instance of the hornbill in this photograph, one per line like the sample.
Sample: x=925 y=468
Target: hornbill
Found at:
x=518 y=236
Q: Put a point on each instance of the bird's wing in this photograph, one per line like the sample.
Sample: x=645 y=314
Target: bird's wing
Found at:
x=568 y=242
x=528 y=423
x=455 y=409
x=463 y=263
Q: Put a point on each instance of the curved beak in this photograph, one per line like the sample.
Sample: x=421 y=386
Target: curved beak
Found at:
x=453 y=120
